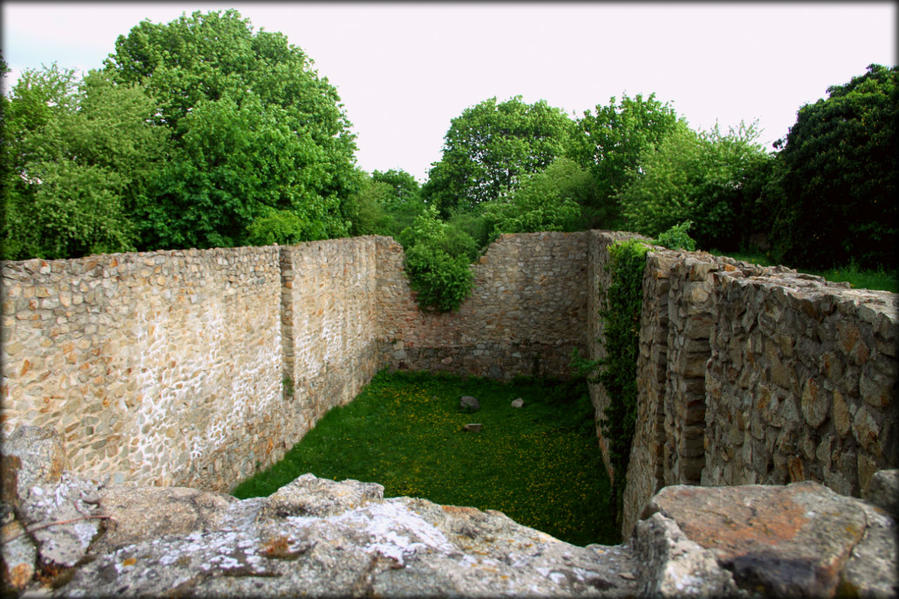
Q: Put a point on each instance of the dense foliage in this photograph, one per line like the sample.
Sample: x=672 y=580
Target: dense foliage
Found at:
x=196 y=133
x=703 y=177
x=201 y=132
x=839 y=167
x=257 y=133
x=611 y=143
x=490 y=146
x=549 y=200
x=620 y=315
x=437 y=261
x=79 y=158
x=677 y=238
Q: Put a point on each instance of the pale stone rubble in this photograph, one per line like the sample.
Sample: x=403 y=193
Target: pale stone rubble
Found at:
x=322 y=538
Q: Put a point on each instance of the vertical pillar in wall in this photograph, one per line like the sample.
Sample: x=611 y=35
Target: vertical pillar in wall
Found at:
x=287 y=339
x=692 y=318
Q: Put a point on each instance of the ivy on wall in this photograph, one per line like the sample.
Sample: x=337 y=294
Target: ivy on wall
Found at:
x=620 y=316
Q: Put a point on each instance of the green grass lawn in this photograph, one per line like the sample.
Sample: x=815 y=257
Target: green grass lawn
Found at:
x=539 y=464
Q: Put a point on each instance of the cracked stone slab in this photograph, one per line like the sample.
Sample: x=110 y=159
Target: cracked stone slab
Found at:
x=138 y=513
x=61 y=518
x=788 y=540
x=392 y=547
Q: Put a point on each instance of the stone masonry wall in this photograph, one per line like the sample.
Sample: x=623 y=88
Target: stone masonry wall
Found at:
x=199 y=367
x=525 y=315
x=759 y=375
x=330 y=320
x=802 y=383
x=598 y=280
x=160 y=367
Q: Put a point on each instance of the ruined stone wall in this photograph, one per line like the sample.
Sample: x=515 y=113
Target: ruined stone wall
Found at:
x=161 y=367
x=598 y=280
x=330 y=326
x=645 y=471
x=759 y=375
x=525 y=315
x=199 y=367
x=801 y=383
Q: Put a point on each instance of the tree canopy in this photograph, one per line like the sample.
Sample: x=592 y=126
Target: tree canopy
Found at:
x=696 y=176
x=490 y=146
x=257 y=133
x=611 y=142
x=78 y=158
x=196 y=133
x=839 y=168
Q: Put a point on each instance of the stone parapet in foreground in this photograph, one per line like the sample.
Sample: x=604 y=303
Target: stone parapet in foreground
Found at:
x=66 y=536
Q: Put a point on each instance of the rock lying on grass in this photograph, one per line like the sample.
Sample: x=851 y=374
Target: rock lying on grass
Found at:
x=467 y=403
x=517 y=403
x=319 y=537
x=473 y=427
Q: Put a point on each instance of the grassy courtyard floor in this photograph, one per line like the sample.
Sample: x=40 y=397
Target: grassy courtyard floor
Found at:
x=539 y=464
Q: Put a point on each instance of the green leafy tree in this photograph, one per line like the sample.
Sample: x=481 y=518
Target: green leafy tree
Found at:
x=79 y=158
x=700 y=177
x=839 y=168
x=546 y=201
x=406 y=190
x=257 y=133
x=611 y=143
x=490 y=146
x=365 y=207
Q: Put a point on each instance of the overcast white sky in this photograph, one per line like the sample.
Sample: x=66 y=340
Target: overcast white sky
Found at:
x=404 y=70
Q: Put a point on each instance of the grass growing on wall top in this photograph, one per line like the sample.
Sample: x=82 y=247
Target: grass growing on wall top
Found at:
x=857 y=277
x=539 y=464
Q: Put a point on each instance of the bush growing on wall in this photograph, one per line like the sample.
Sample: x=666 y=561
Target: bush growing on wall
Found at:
x=677 y=238
x=437 y=262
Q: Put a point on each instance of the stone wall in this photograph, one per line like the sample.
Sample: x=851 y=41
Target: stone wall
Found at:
x=759 y=375
x=158 y=367
x=199 y=367
x=330 y=326
x=525 y=315
x=802 y=377
x=598 y=280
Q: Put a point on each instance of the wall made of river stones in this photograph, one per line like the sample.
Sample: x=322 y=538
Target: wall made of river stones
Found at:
x=200 y=367
x=159 y=368
x=525 y=315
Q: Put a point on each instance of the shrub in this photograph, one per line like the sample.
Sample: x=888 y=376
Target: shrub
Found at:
x=437 y=262
x=441 y=281
x=677 y=238
x=703 y=177
x=549 y=200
